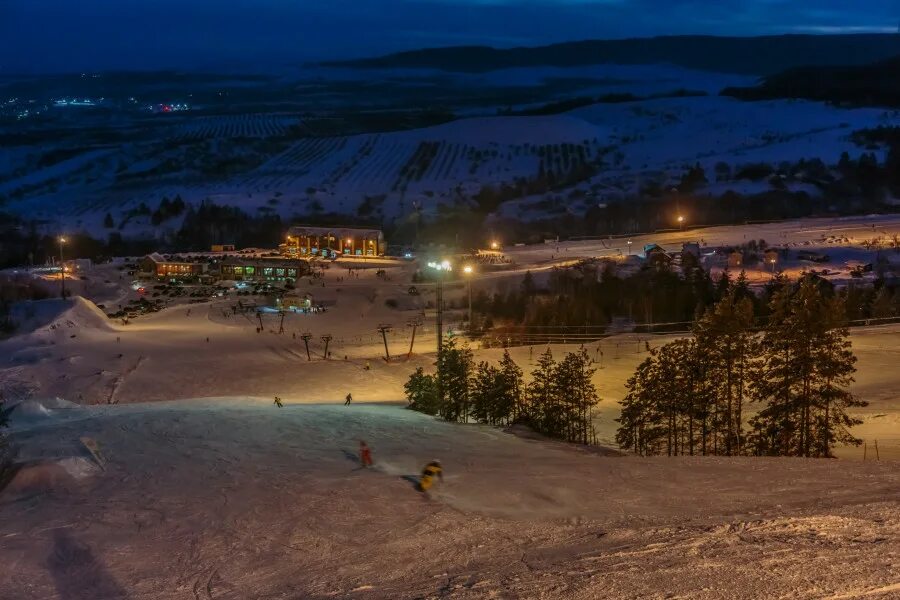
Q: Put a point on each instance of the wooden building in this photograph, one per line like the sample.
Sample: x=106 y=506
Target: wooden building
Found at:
x=303 y=241
x=173 y=268
x=262 y=270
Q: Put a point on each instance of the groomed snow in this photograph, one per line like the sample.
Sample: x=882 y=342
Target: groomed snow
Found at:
x=235 y=498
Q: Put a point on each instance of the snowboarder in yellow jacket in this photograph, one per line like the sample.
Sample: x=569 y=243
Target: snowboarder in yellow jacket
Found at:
x=431 y=470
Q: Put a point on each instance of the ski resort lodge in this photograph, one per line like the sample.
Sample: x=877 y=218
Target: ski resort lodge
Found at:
x=303 y=241
x=234 y=268
x=263 y=269
x=172 y=269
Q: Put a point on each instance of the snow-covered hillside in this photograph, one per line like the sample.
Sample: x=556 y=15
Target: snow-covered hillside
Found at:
x=277 y=162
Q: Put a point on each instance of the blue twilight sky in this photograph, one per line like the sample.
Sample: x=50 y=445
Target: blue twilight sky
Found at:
x=54 y=35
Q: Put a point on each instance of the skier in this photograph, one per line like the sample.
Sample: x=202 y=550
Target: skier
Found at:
x=431 y=470
x=278 y=402
x=365 y=454
x=349 y=399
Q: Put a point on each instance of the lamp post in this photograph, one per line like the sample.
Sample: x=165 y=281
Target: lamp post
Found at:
x=468 y=270
x=62 y=269
x=441 y=268
x=629 y=247
x=680 y=222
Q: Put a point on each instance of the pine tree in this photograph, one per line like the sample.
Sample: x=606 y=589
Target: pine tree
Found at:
x=510 y=389
x=541 y=395
x=484 y=394
x=421 y=393
x=456 y=368
x=578 y=394
x=108 y=221
x=805 y=372
x=725 y=339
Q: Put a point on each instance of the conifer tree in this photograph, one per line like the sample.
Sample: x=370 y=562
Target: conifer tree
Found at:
x=485 y=393
x=456 y=369
x=804 y=375
x=510 y=389
x=421 y=393
x=541 y=395
x=725 y=339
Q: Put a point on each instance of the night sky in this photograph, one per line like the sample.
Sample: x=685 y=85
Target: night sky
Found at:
x=64 y=35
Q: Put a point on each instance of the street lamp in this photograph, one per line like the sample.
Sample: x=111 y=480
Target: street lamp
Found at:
x=772 y=262
x=441 y=268
x=468 y=270
x=629 y=247
x=680 y=222
x=495 y=245
x=62 y=269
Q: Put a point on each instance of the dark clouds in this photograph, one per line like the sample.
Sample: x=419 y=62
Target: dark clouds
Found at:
x=98 y=34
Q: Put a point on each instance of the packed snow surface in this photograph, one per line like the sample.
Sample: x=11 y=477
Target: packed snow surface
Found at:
x=236 y=498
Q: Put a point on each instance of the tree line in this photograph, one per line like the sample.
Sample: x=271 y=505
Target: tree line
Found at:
x=558 y=400
x=692 y=396
x=580 y=296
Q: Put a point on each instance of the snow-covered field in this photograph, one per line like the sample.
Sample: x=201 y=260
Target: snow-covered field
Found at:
x=637 y=142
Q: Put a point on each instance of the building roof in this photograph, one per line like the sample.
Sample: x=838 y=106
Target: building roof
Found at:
x=269 y=261
x=300 y=230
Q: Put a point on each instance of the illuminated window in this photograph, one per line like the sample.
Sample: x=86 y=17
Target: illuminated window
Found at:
x=249 y=270
x=292 y=272
x=267 y=271
x=280 y=272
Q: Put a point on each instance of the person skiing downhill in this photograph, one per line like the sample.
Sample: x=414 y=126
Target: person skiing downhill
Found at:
x=431 y=470
x=278 y=402
x=348 y=399
x=365 y=454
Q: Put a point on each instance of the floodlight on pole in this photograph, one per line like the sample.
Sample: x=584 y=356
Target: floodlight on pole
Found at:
x=62 y=268
x=469 y=270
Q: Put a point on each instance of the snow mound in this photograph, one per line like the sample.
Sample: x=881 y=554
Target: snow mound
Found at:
x=47 y=476
x=552 y=129
x=58 y=314
x=33 y=409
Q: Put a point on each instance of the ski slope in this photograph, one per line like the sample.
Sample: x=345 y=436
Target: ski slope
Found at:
x=235 y=498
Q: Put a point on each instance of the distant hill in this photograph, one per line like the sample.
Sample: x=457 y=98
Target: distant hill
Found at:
x=867 y=85
x=765 y=55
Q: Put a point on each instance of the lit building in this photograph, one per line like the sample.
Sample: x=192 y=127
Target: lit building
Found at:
x=304 y=242
x=173 y=268
x=263 y=269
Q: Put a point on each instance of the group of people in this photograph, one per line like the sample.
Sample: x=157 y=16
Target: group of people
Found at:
x=432 y=471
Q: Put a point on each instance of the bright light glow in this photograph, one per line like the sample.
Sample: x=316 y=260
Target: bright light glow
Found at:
x=440 y=266
x=62 y=240
x=495 y=245
x=468 y=269
x=680 y=219
x=349 y=241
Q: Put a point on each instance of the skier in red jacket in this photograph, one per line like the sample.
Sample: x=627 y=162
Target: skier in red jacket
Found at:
x=365 y=455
